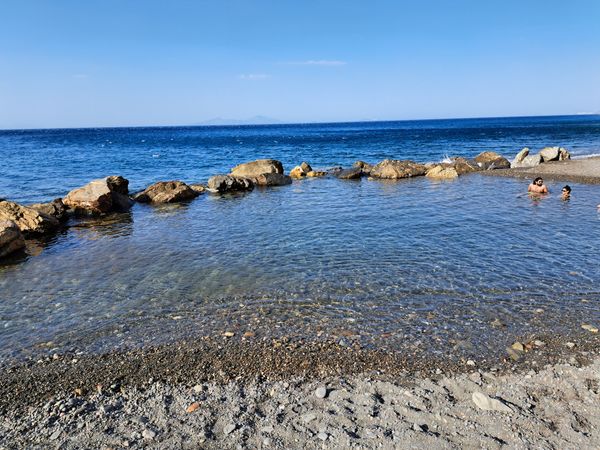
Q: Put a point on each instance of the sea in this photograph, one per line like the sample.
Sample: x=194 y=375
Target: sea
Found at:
x=457 y=268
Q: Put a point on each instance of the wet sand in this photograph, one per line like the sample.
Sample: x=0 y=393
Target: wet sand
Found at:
x=585 y=170
x=242 y=394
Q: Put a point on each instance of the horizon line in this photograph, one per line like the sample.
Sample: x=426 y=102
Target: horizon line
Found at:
x=298 y=123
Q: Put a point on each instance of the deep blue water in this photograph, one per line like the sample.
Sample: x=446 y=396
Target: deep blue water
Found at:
x=413 y=265
x=41 y=164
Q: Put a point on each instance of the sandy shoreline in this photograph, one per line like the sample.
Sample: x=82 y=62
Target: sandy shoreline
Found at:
x=259 y=396
x=584 y=170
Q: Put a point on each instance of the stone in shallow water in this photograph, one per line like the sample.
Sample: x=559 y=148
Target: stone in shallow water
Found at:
x=166 y=192
x=28 y=220
x=11 y=238
x=99 y=197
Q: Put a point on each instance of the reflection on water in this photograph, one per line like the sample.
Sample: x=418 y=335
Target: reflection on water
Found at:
x=414 y=264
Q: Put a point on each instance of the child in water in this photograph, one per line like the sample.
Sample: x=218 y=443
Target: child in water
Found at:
x=566 y=192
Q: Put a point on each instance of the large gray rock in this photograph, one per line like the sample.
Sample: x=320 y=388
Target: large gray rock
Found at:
x=228 y=183
x=100 y=197
x=563 y=154
x=11 y=238
x=28 y=220
x=56 y=208
x=394 y=169
x=350 y=174
x=491 y=160
x=528 y=161
x=255 y=168
x=166 y=192
x=519 y=157
x=486 y=403
x=272 y=179
x=550 y=154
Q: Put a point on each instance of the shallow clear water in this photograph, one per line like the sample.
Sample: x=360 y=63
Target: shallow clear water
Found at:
x=413 y=264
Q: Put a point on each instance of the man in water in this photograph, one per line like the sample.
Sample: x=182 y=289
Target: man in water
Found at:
x=566 y=192
x=537 y=187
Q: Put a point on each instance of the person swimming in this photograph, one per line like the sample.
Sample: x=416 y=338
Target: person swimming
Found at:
x=566 y=192
x=537 y=186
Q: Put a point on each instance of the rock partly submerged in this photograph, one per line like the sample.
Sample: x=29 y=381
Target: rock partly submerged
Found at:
x=99 y=197
x=11 y=238
x=56 y=208
x=395 y=169
x=442 y=172
x=255 y=168
x=271 y=179
x=228 y=183
x=28 y=220
x=491 y=160
x=353 y=173
x=166 y=192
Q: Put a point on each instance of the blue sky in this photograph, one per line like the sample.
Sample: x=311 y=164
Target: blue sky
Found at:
x=129 y=63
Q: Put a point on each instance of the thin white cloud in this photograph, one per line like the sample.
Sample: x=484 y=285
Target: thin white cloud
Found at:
x=318 y=62
x=254 y=76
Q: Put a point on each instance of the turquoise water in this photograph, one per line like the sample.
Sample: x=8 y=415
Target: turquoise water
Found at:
x=412 y=265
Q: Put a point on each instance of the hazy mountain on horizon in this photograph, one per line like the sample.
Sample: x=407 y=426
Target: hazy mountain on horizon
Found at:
x=256 y=120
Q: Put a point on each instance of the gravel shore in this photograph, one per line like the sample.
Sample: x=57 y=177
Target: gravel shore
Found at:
x=584 y=170
x=247 y=395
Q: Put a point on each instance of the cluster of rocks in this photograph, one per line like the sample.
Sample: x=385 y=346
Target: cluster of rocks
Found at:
x=111 y=194
x=525 y=159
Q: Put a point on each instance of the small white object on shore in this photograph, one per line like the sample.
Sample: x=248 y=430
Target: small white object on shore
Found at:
x=321 y=392
x=486 y=403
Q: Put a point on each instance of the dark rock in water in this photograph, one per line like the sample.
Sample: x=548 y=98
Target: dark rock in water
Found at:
x=365 y=167
x=166 y=192
x=492 y=160
x=335 y=170
x=316 y=174
x=395 y=169
x=56 y=208
x=100 y=197
x=228 y=183
x=11 y=238
x=272 y=179
x=28 y=220
x=350 y=174
x=255 y=168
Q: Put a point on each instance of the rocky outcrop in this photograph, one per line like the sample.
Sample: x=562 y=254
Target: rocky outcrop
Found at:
x=228 y=183
x=100 y=197
x=518 y=160
x=198 y=188
x=316 y=173
x=464 y=165
x=272 y=179
x=350 y=174
x=550 y=154
x=491 y=160
x=563 y=154
x=442 y=172
x=394 y=169
x=255 y=168
x=56 y=208
x=365 y=167
x=296 y=173
x=528 y=161
x=11 y=238
x=166 y=192
x=28 y=220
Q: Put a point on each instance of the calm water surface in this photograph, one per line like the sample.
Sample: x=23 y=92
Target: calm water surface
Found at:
x=413 y=264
